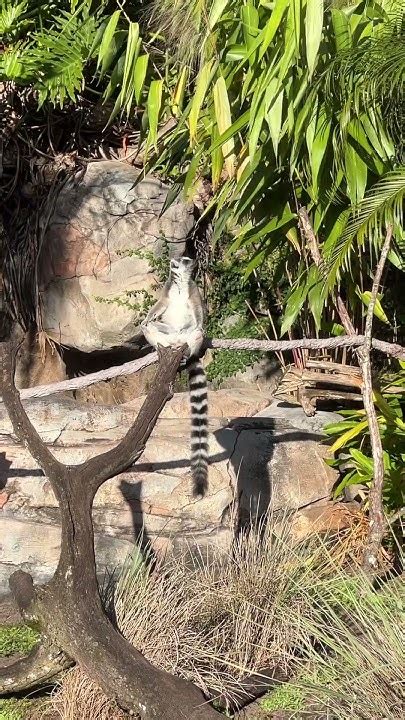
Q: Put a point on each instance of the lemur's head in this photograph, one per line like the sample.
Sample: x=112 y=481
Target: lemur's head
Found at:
x=181 y=269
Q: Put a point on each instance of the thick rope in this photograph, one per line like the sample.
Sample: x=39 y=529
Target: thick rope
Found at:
x=134 y=366
x=307 y=344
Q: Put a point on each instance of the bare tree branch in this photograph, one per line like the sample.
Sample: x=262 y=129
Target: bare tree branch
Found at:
x=344 y=316
x=81 y=382
x=114 y=461
x=38 y=668
x=69 y=606
x=133 y=366
x=353 y=341
x=375 y=287
x=22 y=426
x=307 y=232
x=376 y=512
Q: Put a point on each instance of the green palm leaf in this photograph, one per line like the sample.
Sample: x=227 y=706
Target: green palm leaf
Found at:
x=383 y=204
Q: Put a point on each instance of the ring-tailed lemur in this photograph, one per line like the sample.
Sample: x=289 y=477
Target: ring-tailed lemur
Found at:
x=177 y=318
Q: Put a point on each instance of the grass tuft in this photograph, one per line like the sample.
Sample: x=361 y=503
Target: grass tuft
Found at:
x=12 y=709
x=17 y=638
x=271 y=603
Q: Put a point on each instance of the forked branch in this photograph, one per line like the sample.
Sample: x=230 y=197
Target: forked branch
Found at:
x=69 y=606
x=22 y=425
x=104 y=466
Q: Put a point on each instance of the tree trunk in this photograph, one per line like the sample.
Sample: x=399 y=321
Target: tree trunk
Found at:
x=69 y=608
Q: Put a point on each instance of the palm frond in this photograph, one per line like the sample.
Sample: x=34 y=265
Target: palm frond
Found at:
x=61 y=54
x=383 y=204
x=369 y=76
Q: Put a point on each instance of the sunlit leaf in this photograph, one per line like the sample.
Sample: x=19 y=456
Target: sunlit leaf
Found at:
x=217 y=9
x=240 y=123
x=250 y=21
x=273 y=24
x=294 y=305
x=104 y=54
x=313 y=31
x=154 y=104
x=140 y=70
x=356 y=174
x=319 y=147
x=203 y=80
x=316 y=295
x=353 y=432
x=217 y=159
x=224 y=122
x=295 y=16
x=274 y=111
x=364 y=463
x=341 y=29
x=378 y=309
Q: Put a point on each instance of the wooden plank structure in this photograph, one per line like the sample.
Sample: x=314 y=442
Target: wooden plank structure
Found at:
x=321 y=380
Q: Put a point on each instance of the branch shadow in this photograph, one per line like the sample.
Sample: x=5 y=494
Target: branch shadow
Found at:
x=5 y=467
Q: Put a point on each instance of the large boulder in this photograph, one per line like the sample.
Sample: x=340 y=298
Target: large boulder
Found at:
x=266 y=462
x=97 y=248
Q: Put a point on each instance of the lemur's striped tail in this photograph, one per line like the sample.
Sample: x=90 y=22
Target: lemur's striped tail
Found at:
x=199 y=426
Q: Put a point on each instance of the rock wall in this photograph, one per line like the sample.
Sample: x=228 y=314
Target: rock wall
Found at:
x=264 y=461
x=84 y=263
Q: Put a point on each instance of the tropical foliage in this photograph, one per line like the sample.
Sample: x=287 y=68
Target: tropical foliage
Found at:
x=280 y=104
x=352 y=437
x=283 y=115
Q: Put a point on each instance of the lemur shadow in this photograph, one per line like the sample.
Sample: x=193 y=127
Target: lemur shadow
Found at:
x=248 y=446
x=251 y=462
x=131 y=493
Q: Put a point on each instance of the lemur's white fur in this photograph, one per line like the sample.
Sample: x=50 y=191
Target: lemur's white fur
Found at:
x=176 y=319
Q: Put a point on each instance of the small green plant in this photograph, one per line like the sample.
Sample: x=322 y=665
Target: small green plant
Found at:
x=138 y=300
x=158 y=263
x=229 y=299
x=13 y=709
x=352 y=435
x=141 y=300
x=17 y=638
x=285 y=697
x=228 y=362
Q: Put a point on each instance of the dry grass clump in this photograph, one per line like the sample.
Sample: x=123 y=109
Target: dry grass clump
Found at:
x=350 y=543
x=184 y=24
x=212 y=622
x=217 y=622
x=78 y=698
